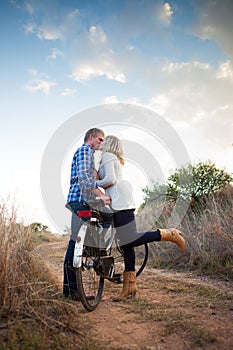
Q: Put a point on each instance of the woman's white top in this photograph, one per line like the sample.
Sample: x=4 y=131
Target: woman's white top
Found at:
x=111 y=179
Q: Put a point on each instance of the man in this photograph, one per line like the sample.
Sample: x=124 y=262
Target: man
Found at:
x=82 y=188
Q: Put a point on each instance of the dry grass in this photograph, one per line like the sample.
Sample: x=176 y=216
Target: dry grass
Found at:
x=32 y=315
x=208 y=230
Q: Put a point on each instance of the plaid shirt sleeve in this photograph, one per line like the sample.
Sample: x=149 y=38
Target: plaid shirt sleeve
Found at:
x=85 y=168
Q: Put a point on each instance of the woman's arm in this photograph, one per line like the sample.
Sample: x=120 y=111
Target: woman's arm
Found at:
x=109 y=171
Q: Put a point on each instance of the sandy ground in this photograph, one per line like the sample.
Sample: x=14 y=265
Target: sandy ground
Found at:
x=172 y=310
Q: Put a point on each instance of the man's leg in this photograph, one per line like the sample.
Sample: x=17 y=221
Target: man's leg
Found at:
x=69 y=283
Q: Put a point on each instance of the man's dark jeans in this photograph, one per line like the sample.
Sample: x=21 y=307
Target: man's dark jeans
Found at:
x=69 y=284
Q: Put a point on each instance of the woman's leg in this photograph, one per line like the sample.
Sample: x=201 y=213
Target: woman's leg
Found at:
x=129 y=257
x=147 y=237
x=124 y=222
x=129 y=236
x=129 y=253
x=169 y=235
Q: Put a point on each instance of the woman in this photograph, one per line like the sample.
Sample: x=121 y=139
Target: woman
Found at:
x=122 y=203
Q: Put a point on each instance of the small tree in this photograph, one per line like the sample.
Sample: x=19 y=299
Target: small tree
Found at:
x=38 y=227
x=197 y=181
x=158 y=191
x=192 y=183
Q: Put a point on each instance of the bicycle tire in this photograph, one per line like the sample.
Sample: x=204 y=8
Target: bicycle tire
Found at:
x=89 y=284
x=141 y=258
x=145 y=254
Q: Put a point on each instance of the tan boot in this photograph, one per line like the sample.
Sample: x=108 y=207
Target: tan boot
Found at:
x=173 y=235
x=129 y=286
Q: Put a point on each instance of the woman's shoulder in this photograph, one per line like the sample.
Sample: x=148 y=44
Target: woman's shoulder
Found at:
x=108 y=156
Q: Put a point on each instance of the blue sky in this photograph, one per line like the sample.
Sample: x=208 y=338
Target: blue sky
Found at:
x=59 y=58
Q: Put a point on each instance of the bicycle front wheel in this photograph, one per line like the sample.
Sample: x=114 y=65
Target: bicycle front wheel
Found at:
x=89 y=284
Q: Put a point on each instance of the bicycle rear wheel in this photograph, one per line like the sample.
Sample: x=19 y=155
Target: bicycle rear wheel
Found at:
x=89 y=284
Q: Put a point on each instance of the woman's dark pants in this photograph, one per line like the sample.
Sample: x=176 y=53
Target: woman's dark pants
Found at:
x=124 y=221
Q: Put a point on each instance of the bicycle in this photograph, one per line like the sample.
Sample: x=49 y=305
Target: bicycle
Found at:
x=98 y=256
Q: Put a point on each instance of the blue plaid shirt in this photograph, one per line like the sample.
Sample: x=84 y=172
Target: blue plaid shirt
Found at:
x=82 y=175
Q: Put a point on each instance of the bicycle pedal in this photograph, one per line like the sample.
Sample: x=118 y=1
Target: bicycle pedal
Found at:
x=117 y=278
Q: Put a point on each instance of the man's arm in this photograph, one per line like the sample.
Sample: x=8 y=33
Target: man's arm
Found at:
x=85 y=168
x=86 y=175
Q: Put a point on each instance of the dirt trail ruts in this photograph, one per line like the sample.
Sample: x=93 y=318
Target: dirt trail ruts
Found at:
x=172 y=310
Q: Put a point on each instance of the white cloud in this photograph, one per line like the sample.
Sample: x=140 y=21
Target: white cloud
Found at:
x=39 y=82
x=85 y=72
x=97 y=35
x=55 y=53
x=172 y=67
x=44 y=33
x=40 y=85
x=198 y=96
x=225 y=71
x=110 y=99
x=130 y=47
x=165 y=13
x=68 y=92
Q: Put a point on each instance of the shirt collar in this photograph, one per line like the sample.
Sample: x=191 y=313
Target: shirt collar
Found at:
x=87 y=145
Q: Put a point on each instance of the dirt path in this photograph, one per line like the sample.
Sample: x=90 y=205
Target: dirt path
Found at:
x=172 y=311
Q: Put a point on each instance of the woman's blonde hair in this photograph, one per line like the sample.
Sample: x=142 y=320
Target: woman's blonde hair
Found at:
x=113 y=145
